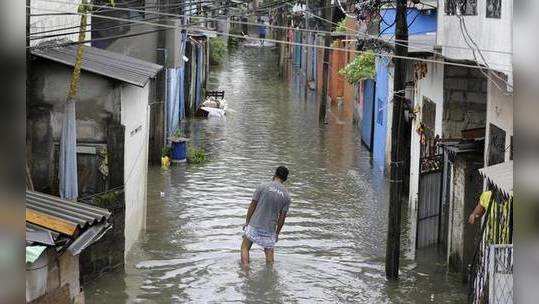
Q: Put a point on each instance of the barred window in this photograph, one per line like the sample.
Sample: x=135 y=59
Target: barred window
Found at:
x=461 y=7
x=494 y=8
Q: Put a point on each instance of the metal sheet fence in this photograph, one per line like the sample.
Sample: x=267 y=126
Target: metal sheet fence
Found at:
x=490 y=274
x=430 y=189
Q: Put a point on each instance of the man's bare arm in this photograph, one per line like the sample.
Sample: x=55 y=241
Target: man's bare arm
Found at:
x=250 y=211
x=476 y=213
x=280 y=222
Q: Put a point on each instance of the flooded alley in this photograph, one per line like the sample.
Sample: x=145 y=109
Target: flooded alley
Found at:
x=332 y=246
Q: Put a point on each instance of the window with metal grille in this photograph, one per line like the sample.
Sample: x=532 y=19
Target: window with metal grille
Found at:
x=494 y=8
x=496 y=152
x=461 y=7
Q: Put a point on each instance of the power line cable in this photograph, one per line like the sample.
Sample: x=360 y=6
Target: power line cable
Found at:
x=488 y=68
x=466 y=36
x=386 y=55
x=273 y=26
x=256 y=24
x=91 y=30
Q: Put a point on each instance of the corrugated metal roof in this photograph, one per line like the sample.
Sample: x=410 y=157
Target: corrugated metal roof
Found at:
x=88 y=237
x=113 y=65
x=500 y=175
x=39 y=235
x=458 y=146
x=77 y=214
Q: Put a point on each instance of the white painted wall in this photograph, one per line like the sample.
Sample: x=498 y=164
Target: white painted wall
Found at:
x=431 y=87
x=490 y=34
x=55 y=22
x=135 y=118
x=499 y=113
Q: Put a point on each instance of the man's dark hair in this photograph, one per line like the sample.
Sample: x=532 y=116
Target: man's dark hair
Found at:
x=282 y=173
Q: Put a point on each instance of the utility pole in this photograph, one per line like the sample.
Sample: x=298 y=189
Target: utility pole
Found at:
x=306 y=89
x=396 y=174
x=29 y=183
x=327 y=9
x=28 y=51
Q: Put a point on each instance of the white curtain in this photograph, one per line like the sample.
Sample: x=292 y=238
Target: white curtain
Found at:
x=67 y=169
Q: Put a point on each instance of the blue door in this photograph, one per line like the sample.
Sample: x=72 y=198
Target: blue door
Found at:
x=367 y=126
x=381 y=104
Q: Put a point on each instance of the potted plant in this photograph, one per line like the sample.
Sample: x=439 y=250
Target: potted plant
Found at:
x=165 y=157
x=178 y=151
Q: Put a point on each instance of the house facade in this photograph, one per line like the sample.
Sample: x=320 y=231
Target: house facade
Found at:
x=112 y=118
x=463 y=122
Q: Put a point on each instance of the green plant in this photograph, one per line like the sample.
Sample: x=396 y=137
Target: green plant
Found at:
x=165 y=151
x=362 y=67
x=177 y=133
x=233 y=43
x=196 y=156
x=341 y=26
x=217 y=50
x=106 y=199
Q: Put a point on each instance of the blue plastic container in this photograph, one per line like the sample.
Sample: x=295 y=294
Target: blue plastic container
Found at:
x=178 y=151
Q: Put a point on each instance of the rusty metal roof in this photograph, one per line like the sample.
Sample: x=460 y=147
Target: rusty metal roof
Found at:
x=106 y=63
x=61 y=215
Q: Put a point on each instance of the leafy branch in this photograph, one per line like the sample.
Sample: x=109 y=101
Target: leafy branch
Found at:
x=362 y=67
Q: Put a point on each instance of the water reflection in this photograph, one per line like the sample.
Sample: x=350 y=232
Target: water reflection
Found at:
x=333 y=243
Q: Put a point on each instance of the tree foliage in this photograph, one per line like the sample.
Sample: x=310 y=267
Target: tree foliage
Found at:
x=341 y=26
x=362 y=67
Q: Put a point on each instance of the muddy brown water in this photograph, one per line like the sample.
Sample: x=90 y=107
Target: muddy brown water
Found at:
x=333 y=243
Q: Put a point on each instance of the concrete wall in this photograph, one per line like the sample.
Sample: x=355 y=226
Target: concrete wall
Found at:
x=465 y=100
x=465 y=190
x=96 y=98
x=430 y=87
x=143 y=47
x=490 y=34
x=499 y=113
x=337 y=61
x=350 y=91
x=53 y=278
x=108 y=253
x=55 y=22
x=135 y=118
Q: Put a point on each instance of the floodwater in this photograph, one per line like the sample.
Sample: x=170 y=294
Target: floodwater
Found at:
x=332 y=246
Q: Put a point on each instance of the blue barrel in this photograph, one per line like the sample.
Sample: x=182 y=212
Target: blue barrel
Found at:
x=178 y=151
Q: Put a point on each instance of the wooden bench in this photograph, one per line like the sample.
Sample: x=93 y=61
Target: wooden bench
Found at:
x=216 y=94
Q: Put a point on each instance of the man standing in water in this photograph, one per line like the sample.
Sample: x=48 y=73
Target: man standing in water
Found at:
x=266 y=215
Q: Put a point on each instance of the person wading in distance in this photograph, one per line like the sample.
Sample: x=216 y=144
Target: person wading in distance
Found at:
x=265 y=216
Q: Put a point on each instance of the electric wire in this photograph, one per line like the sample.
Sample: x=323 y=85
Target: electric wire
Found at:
x=256 y=24
x=466 y=36
x=275 y=26
x=386 y=55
